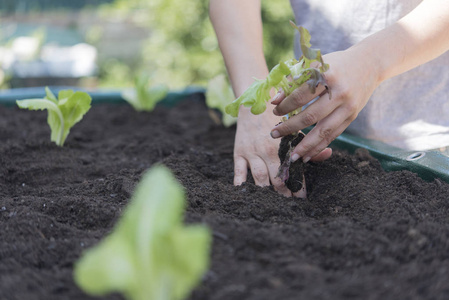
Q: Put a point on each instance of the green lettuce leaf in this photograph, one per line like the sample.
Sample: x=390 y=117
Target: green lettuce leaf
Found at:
x=150 y=254
x=258 y=94
x=310 y=54
x=288 y=76
x=142 y=97
x=63 y=113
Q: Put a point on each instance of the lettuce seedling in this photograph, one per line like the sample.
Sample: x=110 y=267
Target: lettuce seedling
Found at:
x=218 y=95
x=286 y=76
x=143 y=97
x=63 y=112
x=150 y=254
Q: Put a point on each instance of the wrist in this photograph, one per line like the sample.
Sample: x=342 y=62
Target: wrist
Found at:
x=387 y=52
x=243 y=80
x=373 y=63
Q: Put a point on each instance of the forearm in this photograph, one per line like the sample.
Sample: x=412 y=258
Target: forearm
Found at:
x=238 y=26
x=417 y=38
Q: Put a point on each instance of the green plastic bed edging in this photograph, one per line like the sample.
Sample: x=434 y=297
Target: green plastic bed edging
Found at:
x=9 y=97
x=427 y=164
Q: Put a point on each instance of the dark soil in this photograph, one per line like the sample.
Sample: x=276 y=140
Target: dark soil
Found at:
x=362 y=234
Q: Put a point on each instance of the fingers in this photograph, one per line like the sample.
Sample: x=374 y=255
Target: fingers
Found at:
x=278 y=184
x=323 y=155
x=281 y=188
x=259 y=171
x=299 y=97
x=278 y=98
x=254 y=149
x=310 y=116
x=331 y=120
x=258 y=168
x=263 y=173
x=240 y=170
x=318 y=139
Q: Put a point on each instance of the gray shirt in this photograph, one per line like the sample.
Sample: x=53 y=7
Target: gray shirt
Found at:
x=411 y=110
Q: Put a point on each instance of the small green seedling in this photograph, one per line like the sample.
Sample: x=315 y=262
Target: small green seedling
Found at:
x=150 y=254
x=63 y=112
x=218 y=95
x=287 y=76
x=143 y=97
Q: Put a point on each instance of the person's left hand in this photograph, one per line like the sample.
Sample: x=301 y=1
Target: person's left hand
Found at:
x=352 y=78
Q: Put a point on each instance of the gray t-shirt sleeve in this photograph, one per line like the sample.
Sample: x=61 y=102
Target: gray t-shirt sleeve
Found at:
x=409 y=111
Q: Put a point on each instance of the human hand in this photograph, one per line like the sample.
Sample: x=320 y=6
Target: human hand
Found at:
x=254 y=149
x=352 y=78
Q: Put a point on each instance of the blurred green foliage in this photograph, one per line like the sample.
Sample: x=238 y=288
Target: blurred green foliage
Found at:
x=182 y=48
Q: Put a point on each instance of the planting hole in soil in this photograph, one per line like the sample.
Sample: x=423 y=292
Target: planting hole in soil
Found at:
x=362 y=233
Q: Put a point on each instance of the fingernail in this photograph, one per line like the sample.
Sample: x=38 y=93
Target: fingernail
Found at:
x=294 y=157
x=306 y=159
x=275 y=134
x=276 y=96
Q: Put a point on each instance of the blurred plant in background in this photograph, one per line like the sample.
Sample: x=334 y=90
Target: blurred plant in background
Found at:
x=218 y=95
x=278 y=35
x=145 y=95
x=171 y=40
x=182 y=49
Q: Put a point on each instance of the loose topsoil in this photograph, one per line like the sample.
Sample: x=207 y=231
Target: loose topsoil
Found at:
x=363 y=233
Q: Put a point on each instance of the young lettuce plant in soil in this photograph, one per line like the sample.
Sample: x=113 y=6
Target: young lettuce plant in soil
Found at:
x=63 y=112
x=150 y=254
x=144 y=97
x=287 y=76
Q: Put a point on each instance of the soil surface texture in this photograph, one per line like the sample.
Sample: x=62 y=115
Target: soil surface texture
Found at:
x=363 y=233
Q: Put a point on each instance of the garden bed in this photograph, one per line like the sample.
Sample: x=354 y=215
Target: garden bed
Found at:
x=363 y=233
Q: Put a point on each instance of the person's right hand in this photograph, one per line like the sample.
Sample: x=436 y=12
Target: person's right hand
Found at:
x=352 y=78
